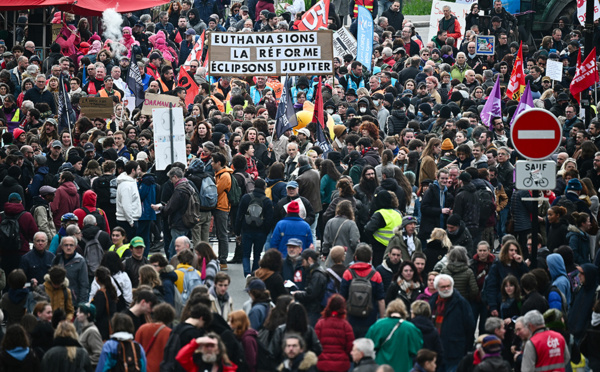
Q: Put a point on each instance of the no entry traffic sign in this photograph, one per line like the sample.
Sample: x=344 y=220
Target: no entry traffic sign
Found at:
x=536 y=133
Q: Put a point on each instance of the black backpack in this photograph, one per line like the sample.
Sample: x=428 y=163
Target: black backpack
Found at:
x=129 y=357
x=360 y=294
x=487 y=206
x=255 y=214
x=10 y=232
x=99 y=214
x=266 y=360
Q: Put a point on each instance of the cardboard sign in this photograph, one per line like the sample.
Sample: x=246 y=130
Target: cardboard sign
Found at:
x=271 y=54
x=485 y=45
x=458 y=10
x=344 y=43
x=56 y=30
x=554 y=70
x=96 y=107
x=153 y=101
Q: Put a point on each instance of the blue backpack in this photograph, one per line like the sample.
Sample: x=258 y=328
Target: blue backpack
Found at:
x=208 y=193
x=191 y=280
x=332 y=288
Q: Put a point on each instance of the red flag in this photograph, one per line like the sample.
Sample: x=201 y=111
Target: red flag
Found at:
x=516 y=84
x=188 y=83
x=318 y=116
x=178 y=38
x=586 y=75
x=316 y=17
x=196 y=53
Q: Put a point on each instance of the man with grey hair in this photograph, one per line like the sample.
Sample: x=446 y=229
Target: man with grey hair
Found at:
x=545 y=350
x=473 y=60
x=176 y=206
x=450 y=24
x=16 y=74
x=91 y=231
x=164 y=23
x=363 y=355
x=37 y=261
x=453 y=318
x=181 y=243
x=309 y=186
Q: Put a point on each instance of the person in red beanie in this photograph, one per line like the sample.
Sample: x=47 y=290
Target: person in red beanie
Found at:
x=19 y=136
x=291 y=226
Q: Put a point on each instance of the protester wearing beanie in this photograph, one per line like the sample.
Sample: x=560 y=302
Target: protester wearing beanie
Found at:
x=291 y=226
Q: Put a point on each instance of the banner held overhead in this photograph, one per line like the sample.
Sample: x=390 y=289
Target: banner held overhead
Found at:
x=255 y=54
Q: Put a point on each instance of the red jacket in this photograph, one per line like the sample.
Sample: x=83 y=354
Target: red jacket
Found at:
x=261 y=5
x=65 y=201
x=89 y=202
x=27 y=224
x=336 y=336
x=453 y=29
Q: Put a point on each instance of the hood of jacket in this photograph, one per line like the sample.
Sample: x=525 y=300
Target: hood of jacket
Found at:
x=363 y=268
x=12 y=209
x=469 y=187
x=303 y=80
x=365 y=101
x=271 y=182
x=89 y=200
x=43 y=170
x=124 y=178
x=148 y=179
x=575 y=230
x=69 y=188
x=9 y=181
x=590 y=271
x=423 y=323
x=457 y=267
x=224 y=170
x=556 y=265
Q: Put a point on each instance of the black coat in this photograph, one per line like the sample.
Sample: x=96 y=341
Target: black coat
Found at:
x=314 y=290
x=267 y=207
x=396 y=122
x=8 y=363
x=7 y=187
x=391 y=184
x=431 y=210
x=431 y=336
x=466 y=205
x=557 y=234
x=534 y=301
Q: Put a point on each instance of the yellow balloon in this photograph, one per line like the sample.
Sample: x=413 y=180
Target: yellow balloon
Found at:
x=304 y=117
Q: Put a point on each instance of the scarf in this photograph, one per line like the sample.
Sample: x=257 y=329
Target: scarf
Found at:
x=407 y=285
x=263 y=274
x=440 y=308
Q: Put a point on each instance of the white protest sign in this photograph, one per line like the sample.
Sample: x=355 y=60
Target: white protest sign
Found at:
x=271 y=53
x=153 y=101
x=554 y=70
x=344 y=43
x=458 y=10
x=162 y=137
x=581 y=11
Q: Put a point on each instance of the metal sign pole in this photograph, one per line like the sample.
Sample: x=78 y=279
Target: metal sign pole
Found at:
x=171 y=132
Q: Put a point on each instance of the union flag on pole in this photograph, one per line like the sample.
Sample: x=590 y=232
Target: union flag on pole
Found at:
x=516 y=84
x=187 y=82
x=586 y=75
x=316 y=17
x=196 y=53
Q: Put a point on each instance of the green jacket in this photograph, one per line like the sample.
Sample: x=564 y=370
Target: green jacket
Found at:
x=464 y=279
x=459 y=73
x=401 y=348
x=398 y=241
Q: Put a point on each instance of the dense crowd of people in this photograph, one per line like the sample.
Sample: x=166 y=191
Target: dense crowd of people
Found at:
x=402 y=245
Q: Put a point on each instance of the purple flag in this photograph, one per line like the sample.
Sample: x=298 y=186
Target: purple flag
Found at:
x=493 y=106
x=525 y=103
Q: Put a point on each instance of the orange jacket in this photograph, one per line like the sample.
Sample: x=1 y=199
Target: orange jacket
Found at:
x=223 y=181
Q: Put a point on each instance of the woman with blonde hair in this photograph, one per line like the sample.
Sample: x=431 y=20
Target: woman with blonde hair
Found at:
x=149 y=276
x=66 y=354
x=52 y=86
x=396 y=340
x=437 y=247
x=240 y=325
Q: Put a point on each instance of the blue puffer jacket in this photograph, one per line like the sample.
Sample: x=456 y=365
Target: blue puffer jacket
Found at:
x=579 y=242
x=290 y=227
x=147 y=189
x=558 y=272
x=36 y=182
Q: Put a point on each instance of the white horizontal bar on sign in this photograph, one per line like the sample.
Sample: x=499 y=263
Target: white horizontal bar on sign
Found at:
x=289 y=52
x=536 y=134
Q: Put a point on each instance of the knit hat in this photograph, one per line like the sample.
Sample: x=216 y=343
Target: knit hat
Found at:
x=74 y=158
x=447 y=145
x=426 y=108
x=339 y=130
x=465 y=177
x=553 y=319
x=293 y=207
x=40 y=160
x=491 y=345
x=17 y=132
x=445 y=112
x=14 y=198
x=574 y=184
x=406 y=220
x=454 y=220
x=86 y=308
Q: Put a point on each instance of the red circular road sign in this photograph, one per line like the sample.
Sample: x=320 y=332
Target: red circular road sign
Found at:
x=536 y=133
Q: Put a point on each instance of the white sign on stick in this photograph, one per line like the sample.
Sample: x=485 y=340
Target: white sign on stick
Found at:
x=344 y=43
x=554 y=70
x=458 y=10
x=163 y=140
x=535 y=175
